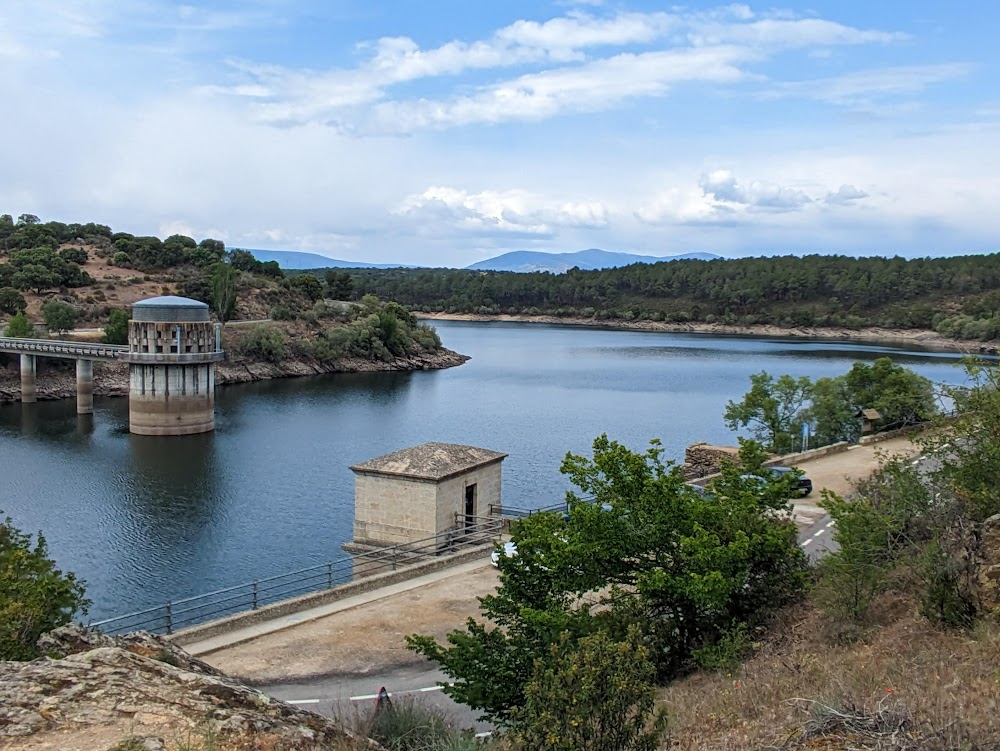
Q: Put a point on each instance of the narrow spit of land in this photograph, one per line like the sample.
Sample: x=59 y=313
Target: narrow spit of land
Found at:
x=922 y=338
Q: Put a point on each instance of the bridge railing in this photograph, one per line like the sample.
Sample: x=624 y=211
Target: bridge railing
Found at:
x=57 y=347
x=178 y=614
x=513 y=512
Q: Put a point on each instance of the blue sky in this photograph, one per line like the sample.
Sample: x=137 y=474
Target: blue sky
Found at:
x=444 y=133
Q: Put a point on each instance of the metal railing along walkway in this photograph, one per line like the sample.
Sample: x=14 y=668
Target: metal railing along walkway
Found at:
x=177 y=614
x=57 y=348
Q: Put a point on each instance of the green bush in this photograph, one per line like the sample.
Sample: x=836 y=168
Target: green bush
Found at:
x=35 y=596
x=59 y=316
x=116 y=330
x=74 y=255
x=12 y=301
x=595 y=694
x=19 y=327
x=263 y=343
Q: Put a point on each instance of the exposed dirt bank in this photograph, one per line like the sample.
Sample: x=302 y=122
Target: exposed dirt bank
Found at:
x=56 y=379
x=923 y=338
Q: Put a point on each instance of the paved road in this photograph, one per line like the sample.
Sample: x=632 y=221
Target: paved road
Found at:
x=344 y=696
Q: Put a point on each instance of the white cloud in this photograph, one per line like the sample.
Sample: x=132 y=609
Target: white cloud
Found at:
x=595 y=86
x=715 y=46
x=846 y=194
x=865 y=85
x=755 y=196
x=509 y=212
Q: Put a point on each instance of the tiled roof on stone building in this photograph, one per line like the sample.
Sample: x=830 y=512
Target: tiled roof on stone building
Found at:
x=430 y=461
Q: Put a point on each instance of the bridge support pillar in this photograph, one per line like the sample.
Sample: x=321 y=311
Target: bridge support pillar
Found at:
x=84 y=387
x=28 y=379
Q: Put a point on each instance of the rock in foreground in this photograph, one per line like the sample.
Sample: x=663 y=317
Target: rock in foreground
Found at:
x=141 y=686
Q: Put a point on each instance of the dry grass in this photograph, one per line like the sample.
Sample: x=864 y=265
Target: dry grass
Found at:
x=905 y=685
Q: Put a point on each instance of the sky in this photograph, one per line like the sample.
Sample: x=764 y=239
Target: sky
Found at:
x=446 y=132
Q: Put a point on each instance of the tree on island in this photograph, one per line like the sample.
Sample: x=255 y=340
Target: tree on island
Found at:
x=35 y=596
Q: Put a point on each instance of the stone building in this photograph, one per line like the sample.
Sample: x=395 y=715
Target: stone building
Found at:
x=418 y=492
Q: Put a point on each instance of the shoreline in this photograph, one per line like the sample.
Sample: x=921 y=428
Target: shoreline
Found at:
x=111 y=379
x=924 y=338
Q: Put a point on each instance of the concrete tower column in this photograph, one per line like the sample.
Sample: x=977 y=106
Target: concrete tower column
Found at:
x=84 y=387
x=28 y=379
x=172 y=354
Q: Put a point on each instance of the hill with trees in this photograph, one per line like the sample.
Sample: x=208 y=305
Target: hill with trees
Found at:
x=958 y=297
x=56 y=276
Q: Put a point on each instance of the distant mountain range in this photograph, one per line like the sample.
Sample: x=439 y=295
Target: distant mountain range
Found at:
x=588 y=260
x=517 y=260
x=296 y=259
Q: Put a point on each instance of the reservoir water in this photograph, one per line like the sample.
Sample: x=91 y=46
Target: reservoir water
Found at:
x=145 y=520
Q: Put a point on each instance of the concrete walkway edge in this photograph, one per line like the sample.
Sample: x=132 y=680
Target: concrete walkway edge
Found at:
x=249 y=633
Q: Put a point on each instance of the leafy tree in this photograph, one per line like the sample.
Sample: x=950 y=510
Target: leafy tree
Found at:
x=771 y=409
x=243 y=260
x=647 y=550
x=11 y=301
x=271 y=269
x=35 y=596
x=19 y=327
x=309 y=285
x=224 y=291
x=74 y=255
x=116 y=330
x=27 y=219
x=832 y=412
x=595 y=694
x=901 y=396
x=971 y=442
x=215 y=247
x=59 y=316
x=35 y=277
x=339 y=285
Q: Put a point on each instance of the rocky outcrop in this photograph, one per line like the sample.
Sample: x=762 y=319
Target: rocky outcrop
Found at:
x=142 y=686
x=701 y=459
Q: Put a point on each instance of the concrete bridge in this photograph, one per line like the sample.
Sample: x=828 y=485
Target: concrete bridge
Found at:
x=84 y=354
x=172 y=351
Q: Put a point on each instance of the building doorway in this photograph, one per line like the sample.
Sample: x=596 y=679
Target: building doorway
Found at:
x=470 y=506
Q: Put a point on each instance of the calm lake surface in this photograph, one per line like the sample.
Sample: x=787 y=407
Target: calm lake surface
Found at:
x=145 y=520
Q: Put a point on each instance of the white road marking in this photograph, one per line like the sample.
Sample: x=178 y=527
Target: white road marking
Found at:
x=829 y=525
x=302 y=701
x=424 y=690
x=817 y=534
x=807 y=542
x=915 y=462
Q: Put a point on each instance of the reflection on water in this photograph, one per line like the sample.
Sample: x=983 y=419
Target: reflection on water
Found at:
x=147 y=519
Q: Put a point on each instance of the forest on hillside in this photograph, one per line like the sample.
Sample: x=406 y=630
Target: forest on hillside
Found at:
x=958 y=297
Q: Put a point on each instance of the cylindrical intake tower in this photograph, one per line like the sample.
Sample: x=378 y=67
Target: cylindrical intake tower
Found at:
x=173 y=348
